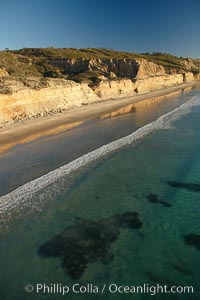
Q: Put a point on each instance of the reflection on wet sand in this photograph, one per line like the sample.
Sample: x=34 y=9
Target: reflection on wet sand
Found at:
x=142 y=105
x=121 y=111
x=133 y=108
x=37 y=135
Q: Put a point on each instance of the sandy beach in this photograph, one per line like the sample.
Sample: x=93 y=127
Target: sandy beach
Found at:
x=27 y=131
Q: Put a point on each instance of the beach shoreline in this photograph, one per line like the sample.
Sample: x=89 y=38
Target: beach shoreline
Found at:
x=24 y=192
x=30 y=130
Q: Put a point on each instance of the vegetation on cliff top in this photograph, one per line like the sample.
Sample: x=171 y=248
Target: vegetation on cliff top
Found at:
x=37 y=61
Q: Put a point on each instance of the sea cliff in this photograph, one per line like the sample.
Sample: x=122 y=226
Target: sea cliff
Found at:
x=35 y=97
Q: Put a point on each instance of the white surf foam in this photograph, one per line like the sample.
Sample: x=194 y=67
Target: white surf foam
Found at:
x=23 y=193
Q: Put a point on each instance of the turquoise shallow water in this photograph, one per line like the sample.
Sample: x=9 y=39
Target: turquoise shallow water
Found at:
x=93 y=222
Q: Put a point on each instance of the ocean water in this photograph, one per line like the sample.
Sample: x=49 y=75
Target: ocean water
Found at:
x=130 y=217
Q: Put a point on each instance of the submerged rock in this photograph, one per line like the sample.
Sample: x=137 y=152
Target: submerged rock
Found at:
x=128 y=219
x=88 y=241
x=153 y=198
x=194 y=187
x=192 y=239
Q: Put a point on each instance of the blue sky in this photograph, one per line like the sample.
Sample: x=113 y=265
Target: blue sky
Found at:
x=129 y=25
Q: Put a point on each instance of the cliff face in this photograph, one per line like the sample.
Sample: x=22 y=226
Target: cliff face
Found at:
x=57 y=97
x=114 y=89
x=3 y=72
x=158 y=82
x=20 y=101
x=120 y=67
x=128 y=68
x=149 y=69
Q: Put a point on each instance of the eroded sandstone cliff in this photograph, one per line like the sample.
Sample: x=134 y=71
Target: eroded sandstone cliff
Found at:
x=123 y=68
x=33 y=97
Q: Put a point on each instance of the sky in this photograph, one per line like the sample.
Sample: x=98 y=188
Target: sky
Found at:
x=170 y=26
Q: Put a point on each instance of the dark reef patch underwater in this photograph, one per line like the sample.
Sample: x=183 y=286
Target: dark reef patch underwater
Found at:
x=192 y=239
x=153 y=198
x=193 y=187
x=88 y=241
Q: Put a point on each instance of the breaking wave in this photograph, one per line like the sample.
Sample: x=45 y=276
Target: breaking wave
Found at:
x=23 y=193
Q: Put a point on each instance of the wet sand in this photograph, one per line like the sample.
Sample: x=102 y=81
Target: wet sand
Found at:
x=27 y=131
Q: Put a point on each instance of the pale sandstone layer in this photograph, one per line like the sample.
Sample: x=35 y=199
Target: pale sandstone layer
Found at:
x=59 y=95
x=3 y=72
